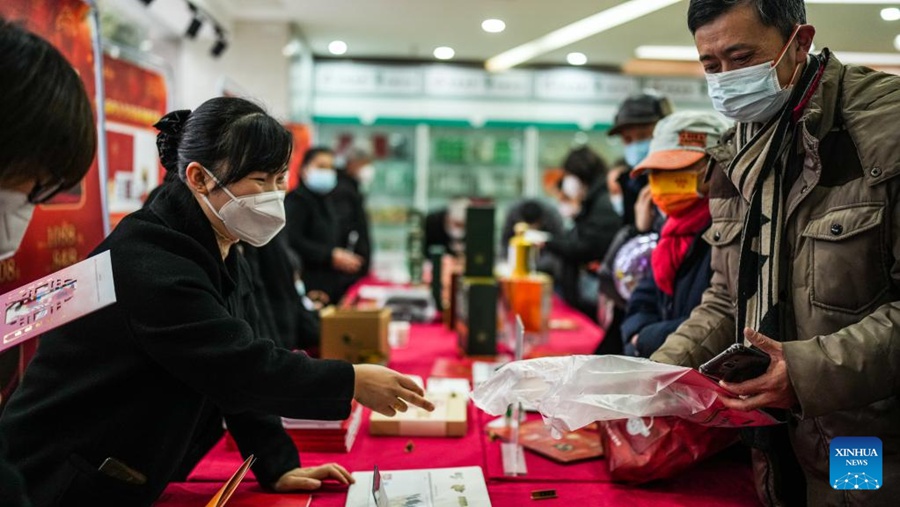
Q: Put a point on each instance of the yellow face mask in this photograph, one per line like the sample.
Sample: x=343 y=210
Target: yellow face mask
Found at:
x=674 y=191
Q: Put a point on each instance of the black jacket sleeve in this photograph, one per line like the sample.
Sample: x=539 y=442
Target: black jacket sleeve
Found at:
x=263 y=436
x=643 y=308
x=594 y=230
x=197 y=341
x=299 y=214
x=12 y=487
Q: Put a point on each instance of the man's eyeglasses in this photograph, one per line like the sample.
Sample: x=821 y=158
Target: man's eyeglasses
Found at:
x=43 y=192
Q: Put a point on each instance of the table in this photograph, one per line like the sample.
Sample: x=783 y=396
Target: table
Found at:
x=723 y=481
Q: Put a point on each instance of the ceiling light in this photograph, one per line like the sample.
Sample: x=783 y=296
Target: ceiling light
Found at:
x=675 y=53
x=337 y=47
x=892 y=59
x=221 y=44
x=579 y=30
x=196 y=23
x=291 y=48
x=576 y=59
x=146 y=45
x=493 y=25
x=890 y=14
x=444 y=53
x=219 y=47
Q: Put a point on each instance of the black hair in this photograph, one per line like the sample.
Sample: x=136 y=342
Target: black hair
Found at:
x=585 y=164
x=229 y=136
x=314 y=152
x=782 y=14
x=49 y=131
x=532 y=211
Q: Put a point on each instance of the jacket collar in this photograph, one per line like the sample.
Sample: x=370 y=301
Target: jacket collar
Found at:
x=180 y=211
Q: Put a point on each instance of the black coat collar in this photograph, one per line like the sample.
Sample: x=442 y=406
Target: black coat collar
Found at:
x=177 y=208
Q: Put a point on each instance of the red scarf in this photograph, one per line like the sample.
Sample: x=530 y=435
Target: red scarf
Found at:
x=676 y=238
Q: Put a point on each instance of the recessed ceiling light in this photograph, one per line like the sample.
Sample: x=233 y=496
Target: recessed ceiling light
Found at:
x=493 y=25
x=576 y=58
x=890 y=14
x=444 y=53
x=291 y=48
x=337 y=47
x=600 y=22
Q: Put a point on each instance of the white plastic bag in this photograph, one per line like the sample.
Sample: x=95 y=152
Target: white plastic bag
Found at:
x=572 y=392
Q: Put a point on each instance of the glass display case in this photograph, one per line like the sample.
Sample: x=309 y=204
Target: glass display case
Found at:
x=392 y=192
x=478 y=163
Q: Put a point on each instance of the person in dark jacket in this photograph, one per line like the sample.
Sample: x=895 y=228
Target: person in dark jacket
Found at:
x=446 y=227
x=314 y=232
x=540 y=217
x=108 y=410
x=635 y=120
x=681 y=271
x=350 y=205
x=280 y=294
x=49 y=139
x=596 y=223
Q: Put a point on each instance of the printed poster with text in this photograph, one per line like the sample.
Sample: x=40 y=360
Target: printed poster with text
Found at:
x=136 y=98
x=66 y=229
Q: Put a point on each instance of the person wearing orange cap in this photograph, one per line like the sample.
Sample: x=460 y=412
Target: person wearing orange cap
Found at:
x=677 y=166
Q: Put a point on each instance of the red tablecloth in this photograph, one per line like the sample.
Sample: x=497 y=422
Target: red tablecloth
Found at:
x=724 y=481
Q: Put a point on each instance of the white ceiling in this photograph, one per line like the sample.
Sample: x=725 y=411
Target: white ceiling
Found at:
x=413 y=28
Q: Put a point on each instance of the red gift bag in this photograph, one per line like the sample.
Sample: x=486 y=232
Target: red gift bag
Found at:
x=645 y=449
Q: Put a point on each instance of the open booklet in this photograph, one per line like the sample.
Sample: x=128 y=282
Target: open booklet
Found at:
x=441 y=487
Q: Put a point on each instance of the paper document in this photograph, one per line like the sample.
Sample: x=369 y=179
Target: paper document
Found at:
x=224 y=494
x=57 y=299
x=444 y=487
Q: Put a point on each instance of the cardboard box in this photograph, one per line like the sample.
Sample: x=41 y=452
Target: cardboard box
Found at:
x=357 y=336
x=449 y=419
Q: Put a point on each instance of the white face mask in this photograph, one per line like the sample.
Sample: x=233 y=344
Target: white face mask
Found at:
x=571 y=187
x=254 y=219
x=750 y=95
x=618 y=204
x=456 y=233
x=568 y=209
x=15 y=214
x=367 y=175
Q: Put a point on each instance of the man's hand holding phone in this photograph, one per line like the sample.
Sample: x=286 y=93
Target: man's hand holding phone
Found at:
x=770 y=389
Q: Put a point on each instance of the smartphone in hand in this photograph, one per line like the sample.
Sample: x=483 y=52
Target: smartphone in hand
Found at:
x=737 y=364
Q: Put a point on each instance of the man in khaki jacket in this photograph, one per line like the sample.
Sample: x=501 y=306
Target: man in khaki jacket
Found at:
x=805 y=200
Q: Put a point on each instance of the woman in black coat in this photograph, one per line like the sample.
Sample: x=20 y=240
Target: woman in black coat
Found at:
x=108 y=410
x=330 y=266
x=587 y=203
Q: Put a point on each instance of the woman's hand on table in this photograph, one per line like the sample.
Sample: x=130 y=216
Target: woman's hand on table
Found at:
x=386 y=391
x=308 y=479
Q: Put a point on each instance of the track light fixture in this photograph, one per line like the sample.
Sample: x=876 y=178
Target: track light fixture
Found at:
x=196 y=22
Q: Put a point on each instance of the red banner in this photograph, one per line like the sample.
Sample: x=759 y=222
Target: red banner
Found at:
x=135 y=100
x=301 y=144
x=65 y=230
